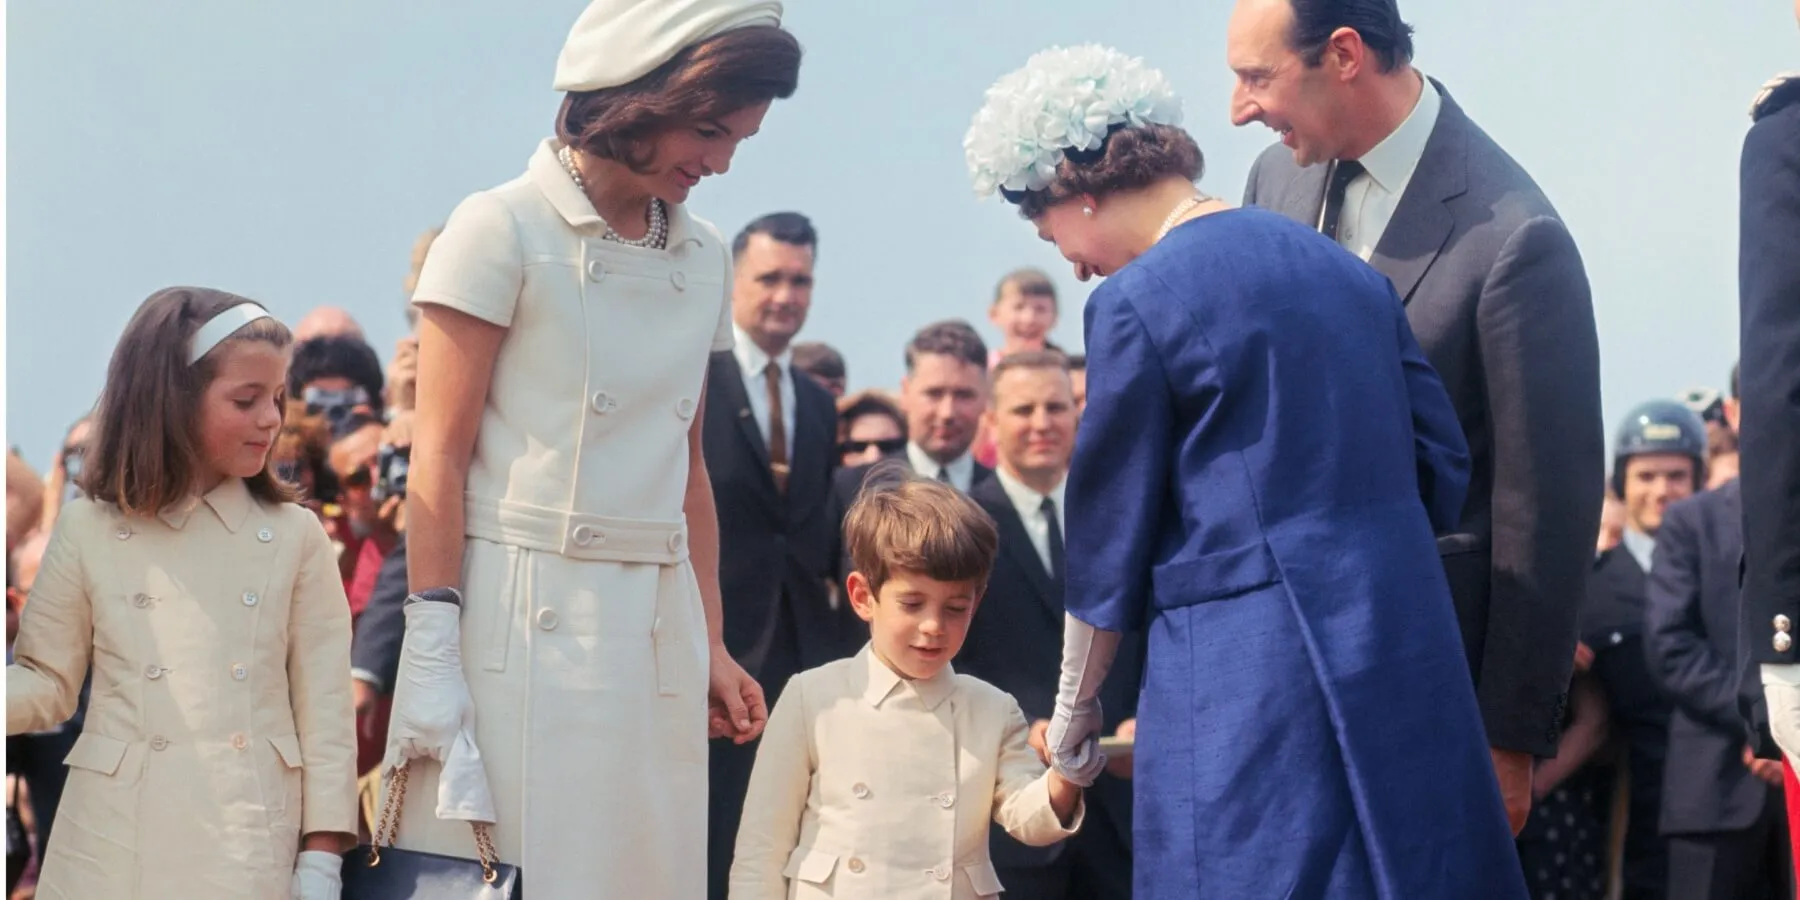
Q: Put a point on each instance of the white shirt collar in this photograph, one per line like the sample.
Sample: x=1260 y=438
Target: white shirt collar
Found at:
x=1026 y=500
x=962 y=468
x=1392 y=162
x=1641 y=546
x=752 y=358
x=885 y=682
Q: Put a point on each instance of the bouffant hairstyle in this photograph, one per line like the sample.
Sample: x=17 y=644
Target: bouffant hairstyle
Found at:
x=1131 y=157
x=715 y=77
x=867 y=403
x=144 y=454
x=904 y=522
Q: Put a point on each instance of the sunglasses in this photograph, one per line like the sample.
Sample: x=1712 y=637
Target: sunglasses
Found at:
x=885 y=445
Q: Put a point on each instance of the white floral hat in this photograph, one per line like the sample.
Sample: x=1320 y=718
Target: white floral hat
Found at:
x=1064 y=98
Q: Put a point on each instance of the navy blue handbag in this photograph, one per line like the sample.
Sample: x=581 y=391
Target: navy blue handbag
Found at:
x=380 y=871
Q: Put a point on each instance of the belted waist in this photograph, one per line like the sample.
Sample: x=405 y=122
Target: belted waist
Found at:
x=575 y=535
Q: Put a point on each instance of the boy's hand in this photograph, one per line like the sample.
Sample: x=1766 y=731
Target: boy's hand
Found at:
x=1065 y=796
x=1039 y=740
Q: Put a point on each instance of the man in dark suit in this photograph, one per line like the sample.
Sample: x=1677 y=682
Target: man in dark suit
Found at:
x=1383 y=160
x=943 y=395
x=1015 y=639
x=1769 y=441
x=770 y=443
x=1721 y=809
x=1659 y=459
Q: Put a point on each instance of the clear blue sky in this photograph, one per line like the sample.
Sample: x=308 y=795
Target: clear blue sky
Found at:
x=291 y=152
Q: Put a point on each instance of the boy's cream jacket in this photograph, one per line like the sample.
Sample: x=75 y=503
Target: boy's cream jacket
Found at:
x=867 y=785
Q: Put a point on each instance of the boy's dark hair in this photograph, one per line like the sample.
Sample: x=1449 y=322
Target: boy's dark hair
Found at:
x=904 y=522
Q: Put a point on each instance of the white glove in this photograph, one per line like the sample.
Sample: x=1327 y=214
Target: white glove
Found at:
x=1781 y=690
x=1074 y=735
x=316 y=876
x=433 y=716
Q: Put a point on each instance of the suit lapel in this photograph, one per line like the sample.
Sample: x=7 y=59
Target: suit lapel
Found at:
x=990 y=494
x=735 y=400
x=810 y=434
x=1304 y=197
x=1422 y=221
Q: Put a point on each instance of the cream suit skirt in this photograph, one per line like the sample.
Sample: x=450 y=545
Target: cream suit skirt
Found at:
x=589 y=680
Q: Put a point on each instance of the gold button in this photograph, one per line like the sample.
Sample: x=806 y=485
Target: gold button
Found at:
x=239 y=742
x=159 y=743
x=1783 y=623
x=856 y=865
x=1783 y=642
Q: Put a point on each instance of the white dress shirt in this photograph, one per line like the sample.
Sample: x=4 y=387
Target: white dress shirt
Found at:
x=1641 y=546
x=961 y=469
x=752 y=360
x=1370 y=198
x=1030 y=506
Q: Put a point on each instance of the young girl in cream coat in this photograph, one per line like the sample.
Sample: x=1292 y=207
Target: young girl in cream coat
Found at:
x=218 y=755
x=877 y=775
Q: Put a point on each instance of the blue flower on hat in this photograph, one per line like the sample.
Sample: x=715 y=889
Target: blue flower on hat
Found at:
x=1063 y=98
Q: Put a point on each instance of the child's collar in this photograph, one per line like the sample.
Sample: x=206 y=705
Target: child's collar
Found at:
x=230 y=501
x=883 y=682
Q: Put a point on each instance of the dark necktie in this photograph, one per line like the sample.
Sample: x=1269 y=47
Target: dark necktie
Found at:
x=778 y=459
x=1048 y=507
x=944 y=475
x=1343 y=172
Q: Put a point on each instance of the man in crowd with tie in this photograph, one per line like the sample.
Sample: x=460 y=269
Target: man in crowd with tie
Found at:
x=1015 y=639
x=770 y=443
x=943 y=395
x=1382 y=160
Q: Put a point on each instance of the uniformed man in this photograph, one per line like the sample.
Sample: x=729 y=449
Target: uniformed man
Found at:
x=1769 y=442
x=1659 y=457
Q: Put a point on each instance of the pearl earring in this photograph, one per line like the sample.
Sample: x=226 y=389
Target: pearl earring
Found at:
x=1087 y=210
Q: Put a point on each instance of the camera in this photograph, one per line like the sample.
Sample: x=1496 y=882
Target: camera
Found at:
x=391 y=467
x=339 y=409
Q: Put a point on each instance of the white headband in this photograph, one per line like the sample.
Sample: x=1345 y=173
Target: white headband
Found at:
x=222 y=326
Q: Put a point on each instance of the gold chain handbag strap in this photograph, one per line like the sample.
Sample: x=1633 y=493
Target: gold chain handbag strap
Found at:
x=387 y=830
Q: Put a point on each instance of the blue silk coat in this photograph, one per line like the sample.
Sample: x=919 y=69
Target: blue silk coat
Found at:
x=1257 y=473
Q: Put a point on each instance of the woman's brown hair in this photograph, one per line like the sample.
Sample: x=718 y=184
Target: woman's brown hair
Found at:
x=1130 y=158
x=715 y=77
x=144 y=454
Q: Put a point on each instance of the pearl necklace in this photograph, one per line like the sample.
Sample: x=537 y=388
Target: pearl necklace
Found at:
x=1181 y=209
x=655 y=238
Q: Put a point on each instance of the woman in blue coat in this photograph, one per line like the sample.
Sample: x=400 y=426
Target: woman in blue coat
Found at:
x=1263 y=457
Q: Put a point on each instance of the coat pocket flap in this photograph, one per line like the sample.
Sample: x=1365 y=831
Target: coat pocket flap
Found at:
x=983 y=878
x=809 y=865
x=287 y=746
x=96 y=753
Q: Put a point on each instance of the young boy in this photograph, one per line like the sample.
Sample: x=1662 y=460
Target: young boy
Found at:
x=878 y=775
x=1024 y=309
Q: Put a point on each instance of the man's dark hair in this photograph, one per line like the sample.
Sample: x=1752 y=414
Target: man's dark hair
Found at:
x=951 y=337
x=786 y=227
x=1377 y=21
x=341 y=357
x=818 y=359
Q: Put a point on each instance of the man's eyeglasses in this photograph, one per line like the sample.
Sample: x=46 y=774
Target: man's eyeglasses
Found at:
x=885 y=445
